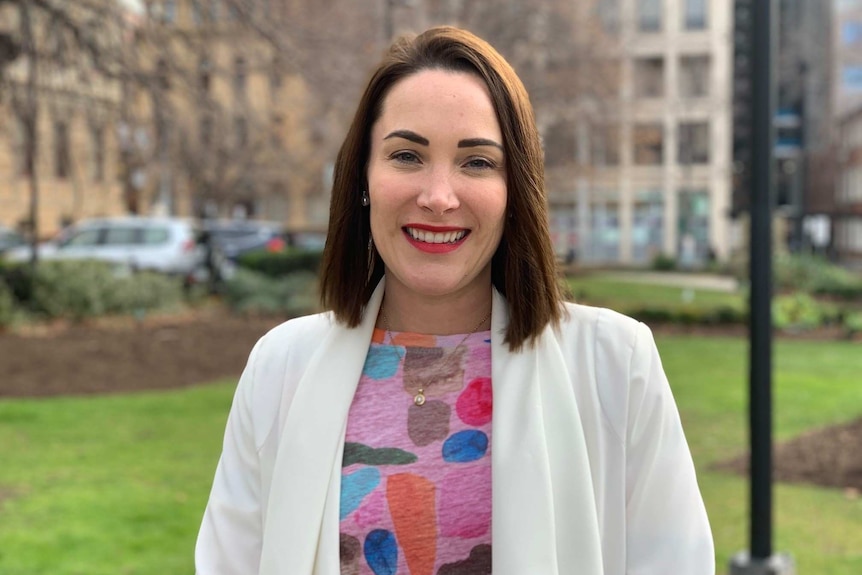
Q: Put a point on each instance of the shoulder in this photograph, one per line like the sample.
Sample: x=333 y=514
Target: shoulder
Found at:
x=294 y=335
x=274 y=366
x=610 y=331
x=614 y=350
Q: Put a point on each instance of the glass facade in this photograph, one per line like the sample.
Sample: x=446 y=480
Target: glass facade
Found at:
x=603 y=244
x=693 y=247
x=647 y=226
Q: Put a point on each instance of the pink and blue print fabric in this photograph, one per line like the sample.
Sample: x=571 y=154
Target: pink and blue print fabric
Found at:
x=416 y=479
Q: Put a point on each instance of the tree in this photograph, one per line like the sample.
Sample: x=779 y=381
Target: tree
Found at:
x=56 y=44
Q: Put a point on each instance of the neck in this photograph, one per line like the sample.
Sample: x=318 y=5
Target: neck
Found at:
x=446 y=315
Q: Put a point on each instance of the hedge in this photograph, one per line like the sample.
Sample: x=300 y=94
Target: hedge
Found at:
x=279 y=264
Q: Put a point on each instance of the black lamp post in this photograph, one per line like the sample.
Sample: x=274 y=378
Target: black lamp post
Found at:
x=760 y=560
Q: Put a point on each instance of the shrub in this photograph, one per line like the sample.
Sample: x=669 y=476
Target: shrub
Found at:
x=280 y=264
x=143 y=291
x=798 y=310
x=808 y=273
x=7 y=304
x=853 y=323
x=254 y=292
x=19 y=279
x=81 y=289
x=663 y=263
x=815 y=275
x=689 y=315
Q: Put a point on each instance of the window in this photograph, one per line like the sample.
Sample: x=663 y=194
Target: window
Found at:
x=197 y=13
x=694 y=74
x=241 y=131
x=694 y=14
x=163 y=80
x=693 y=246
x=608 y=12
x=647 y=225
x=206 y=130
x=61 y=150
x=97 y=167
x=83 y=238
x=275 y=75
x=277 y=127
x=239 y=76
x=649 y=77
x=121 y=236
x=153 y=236
x=559 y=143
x=215 y=10
x=605 y=144
x=648 y=144
x=693 y=143
x=204 y=75
x=603 y=242
x=649 y=15
x=169 y=11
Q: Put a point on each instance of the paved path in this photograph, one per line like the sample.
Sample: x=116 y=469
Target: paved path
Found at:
x=692 y=280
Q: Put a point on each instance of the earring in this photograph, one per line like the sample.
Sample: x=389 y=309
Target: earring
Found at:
x=370 y=256
x=365 y=199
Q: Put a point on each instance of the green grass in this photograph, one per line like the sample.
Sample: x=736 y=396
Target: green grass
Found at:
x=625 y=295
x=107 y=485
x=117 y=484
x=816 y=384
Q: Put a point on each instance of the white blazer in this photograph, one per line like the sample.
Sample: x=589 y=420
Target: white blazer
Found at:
x=591 y=471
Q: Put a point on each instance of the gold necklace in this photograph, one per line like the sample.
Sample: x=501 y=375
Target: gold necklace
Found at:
x=419 y=398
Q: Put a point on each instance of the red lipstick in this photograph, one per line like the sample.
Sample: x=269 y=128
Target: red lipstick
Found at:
x=435 y=248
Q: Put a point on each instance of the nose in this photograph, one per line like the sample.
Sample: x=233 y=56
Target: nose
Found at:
x=438 y=194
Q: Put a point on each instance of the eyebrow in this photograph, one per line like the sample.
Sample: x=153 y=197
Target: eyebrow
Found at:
x=475 y=142
x=408 y=135
x=416 y=138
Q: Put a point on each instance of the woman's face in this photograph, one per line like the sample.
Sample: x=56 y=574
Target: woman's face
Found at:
x=437 y=184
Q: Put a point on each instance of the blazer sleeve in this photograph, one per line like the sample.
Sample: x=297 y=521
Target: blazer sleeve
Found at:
x=667 y=527
x=229 y=541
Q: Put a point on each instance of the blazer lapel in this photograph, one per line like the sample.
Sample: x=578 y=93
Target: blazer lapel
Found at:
x=544 y=517
x=309 y=453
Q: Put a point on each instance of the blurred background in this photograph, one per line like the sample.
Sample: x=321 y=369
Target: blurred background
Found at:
x=165 y=170
x=236 y=109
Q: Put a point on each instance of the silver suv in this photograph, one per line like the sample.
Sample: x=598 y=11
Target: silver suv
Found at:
x=162 y=244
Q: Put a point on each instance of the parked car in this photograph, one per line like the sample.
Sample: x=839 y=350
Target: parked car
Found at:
x=9 y=239
x=312 y=240
x=234 y=238
x=167 y=245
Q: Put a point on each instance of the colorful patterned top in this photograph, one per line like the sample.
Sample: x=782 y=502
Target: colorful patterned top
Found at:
x=416 y=480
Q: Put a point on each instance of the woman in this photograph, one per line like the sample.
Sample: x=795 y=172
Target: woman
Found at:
x=451 y=412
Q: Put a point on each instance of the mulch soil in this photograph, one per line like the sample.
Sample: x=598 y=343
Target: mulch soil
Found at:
x=126 y=355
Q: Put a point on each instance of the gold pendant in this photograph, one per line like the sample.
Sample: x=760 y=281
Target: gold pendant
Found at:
x=419 y=398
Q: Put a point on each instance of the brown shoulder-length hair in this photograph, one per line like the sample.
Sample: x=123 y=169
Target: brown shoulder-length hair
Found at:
x=524 y=267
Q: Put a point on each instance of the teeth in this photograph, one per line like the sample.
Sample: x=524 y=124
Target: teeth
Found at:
x=436 y=238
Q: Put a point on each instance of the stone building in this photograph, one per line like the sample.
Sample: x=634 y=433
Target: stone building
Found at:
x=76 y=103
x=223 y=117
x=656 y=158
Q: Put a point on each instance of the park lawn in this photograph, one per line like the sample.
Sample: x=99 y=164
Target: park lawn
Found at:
x=117 y=484
x=816 y=384
x=623 y=295
x=107 y=484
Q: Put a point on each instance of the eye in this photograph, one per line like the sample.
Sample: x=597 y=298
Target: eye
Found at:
x=405 y=157
x=479 y=163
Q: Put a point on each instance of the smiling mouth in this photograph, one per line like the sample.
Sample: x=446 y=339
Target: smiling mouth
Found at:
x=436 y=237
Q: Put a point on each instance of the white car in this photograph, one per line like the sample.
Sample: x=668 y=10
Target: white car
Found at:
x=168 y=245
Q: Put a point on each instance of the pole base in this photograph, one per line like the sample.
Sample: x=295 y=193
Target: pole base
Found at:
x=779 y=564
